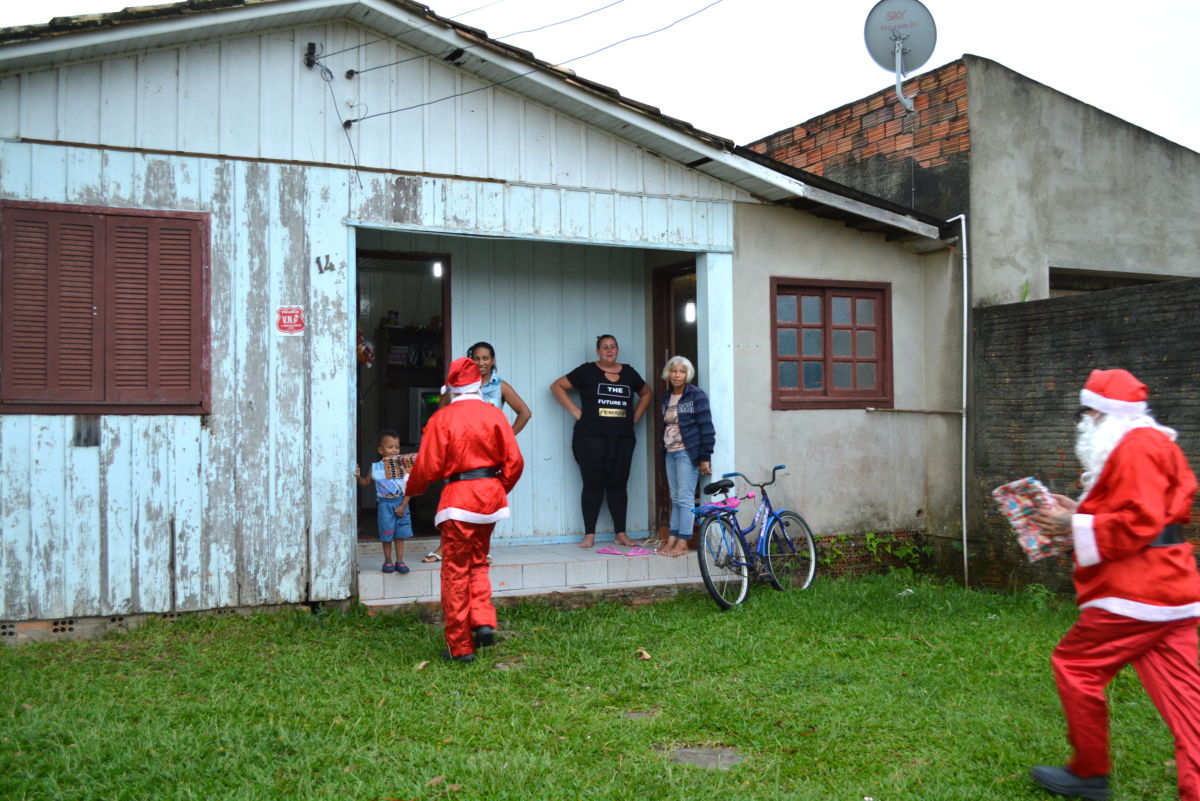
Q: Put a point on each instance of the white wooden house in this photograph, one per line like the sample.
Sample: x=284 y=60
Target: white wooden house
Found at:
x=203 y=204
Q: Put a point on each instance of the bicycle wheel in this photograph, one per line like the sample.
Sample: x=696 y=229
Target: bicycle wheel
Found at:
x=791 y=552
x=723 y=563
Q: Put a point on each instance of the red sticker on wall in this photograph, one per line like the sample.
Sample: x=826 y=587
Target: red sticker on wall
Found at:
x=289 y=320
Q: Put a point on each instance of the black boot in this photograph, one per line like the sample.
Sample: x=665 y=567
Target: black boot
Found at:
x=1063 y=782
x=460 y=658
x=484 y=636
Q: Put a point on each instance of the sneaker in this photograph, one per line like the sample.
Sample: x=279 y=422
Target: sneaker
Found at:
x=1062 y=781
x=460 y=658
x=388 y=567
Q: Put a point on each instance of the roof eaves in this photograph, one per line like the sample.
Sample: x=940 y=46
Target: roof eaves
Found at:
x=757 y=174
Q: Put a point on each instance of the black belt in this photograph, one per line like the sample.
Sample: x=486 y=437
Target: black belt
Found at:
x=479 y=472
x=1170 y=535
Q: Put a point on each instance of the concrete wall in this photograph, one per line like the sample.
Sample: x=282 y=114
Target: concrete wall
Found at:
x=1049 y=182
x=1056 y=183
x=851 y=470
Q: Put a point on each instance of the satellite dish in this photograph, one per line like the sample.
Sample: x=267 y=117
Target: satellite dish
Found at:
x=900 y=36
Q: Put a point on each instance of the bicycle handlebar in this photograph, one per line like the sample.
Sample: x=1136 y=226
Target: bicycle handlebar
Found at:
x=774 y=470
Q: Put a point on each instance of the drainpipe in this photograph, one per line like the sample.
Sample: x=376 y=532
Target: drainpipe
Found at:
x=961 y=219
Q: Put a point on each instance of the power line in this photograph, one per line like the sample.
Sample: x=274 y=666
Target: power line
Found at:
x=352 y=73
x=479 y=8
x=641 y=35
x=561 y=21
x=413 y=30
x=327 y=76
x=351 y=122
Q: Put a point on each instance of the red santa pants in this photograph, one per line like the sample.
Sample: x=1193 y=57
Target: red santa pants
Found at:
x=1164 y=656
x=466 y=588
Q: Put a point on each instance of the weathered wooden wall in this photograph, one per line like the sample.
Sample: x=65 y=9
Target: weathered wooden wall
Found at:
x=1030 y=361
x=253 y=504
x=247 y=505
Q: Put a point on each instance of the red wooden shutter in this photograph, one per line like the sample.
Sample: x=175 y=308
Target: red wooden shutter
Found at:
x=155 y=301
x=48 y=297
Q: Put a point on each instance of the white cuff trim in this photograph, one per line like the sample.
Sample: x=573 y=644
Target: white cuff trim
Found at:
x=1116 y=408
x=1140 y=611
x=467 y=516
x=1086 y=552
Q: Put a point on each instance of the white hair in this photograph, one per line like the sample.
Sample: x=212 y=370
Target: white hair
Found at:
x=687 y=365
x=1097 y=440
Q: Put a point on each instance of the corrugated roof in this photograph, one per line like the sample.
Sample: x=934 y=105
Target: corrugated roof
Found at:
x=65 y=39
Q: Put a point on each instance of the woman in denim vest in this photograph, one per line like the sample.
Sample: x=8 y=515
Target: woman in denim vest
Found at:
x=687 y=438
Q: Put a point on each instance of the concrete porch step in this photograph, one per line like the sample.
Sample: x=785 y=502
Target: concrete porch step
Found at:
x=522 y=570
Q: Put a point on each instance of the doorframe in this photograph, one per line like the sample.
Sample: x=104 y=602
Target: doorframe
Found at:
x=662 y=347
x=445 y=305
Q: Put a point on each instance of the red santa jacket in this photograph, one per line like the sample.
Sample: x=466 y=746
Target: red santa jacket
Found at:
x=467 y=435
x=1144 y=485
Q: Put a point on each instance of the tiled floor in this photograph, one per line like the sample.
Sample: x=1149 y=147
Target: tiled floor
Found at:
x=522 y=570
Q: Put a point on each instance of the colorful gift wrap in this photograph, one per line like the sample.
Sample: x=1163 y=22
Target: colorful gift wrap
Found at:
x=1018 y=500
x=398 y=466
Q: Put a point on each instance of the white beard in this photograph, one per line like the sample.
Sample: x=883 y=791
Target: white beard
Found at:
x=1095 y=442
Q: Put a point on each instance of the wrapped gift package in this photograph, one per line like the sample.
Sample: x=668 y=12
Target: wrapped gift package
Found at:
x=1018 y=500
x=398 y=466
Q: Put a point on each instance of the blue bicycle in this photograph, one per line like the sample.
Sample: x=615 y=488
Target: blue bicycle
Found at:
x=783 y=552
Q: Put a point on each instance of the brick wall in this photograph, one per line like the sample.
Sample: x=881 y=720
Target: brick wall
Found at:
x=1030 y=360
x=845 y=555
x=916 y=159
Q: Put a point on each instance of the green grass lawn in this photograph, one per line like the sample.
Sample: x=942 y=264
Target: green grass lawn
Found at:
x=849 y=690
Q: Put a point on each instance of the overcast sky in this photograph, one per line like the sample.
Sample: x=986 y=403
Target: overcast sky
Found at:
x=744 y=69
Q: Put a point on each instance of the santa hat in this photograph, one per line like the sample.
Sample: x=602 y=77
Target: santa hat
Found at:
x=463 y=377
x=1114 y=392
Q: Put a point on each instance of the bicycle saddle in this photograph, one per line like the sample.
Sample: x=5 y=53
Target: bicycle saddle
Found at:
x=718 y=486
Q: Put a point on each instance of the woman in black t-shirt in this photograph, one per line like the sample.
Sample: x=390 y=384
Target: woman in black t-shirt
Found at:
x=604 y=438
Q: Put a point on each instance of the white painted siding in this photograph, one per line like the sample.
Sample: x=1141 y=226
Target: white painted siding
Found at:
x=463 y=206
x=252 y=97
x=252 y=504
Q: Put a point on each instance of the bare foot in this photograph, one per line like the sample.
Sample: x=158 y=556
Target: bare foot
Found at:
x=623 y=539
x=588 y=541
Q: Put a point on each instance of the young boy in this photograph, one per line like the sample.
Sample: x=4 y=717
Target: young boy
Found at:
x=390 y=475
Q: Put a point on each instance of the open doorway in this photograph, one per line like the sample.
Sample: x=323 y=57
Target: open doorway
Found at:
x=674 y=303
x=403 y=303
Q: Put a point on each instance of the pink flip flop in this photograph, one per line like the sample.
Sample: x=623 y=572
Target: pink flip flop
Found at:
x=638 y=551
x=610 y=549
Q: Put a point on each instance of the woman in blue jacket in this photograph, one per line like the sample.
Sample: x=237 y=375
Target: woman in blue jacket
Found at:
x=687 y=441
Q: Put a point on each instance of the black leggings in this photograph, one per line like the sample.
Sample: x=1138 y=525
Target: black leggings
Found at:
x=604 y=465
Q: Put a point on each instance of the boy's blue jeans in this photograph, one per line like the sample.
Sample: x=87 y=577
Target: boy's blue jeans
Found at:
x=681 y=478
x=392 y=527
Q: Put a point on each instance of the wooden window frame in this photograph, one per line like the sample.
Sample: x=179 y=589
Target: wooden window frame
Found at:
x=827 y=397
x=178 y=378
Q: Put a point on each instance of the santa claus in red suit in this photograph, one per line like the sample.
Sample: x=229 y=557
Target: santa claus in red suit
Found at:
x=470 y=444
x=1136 y=582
